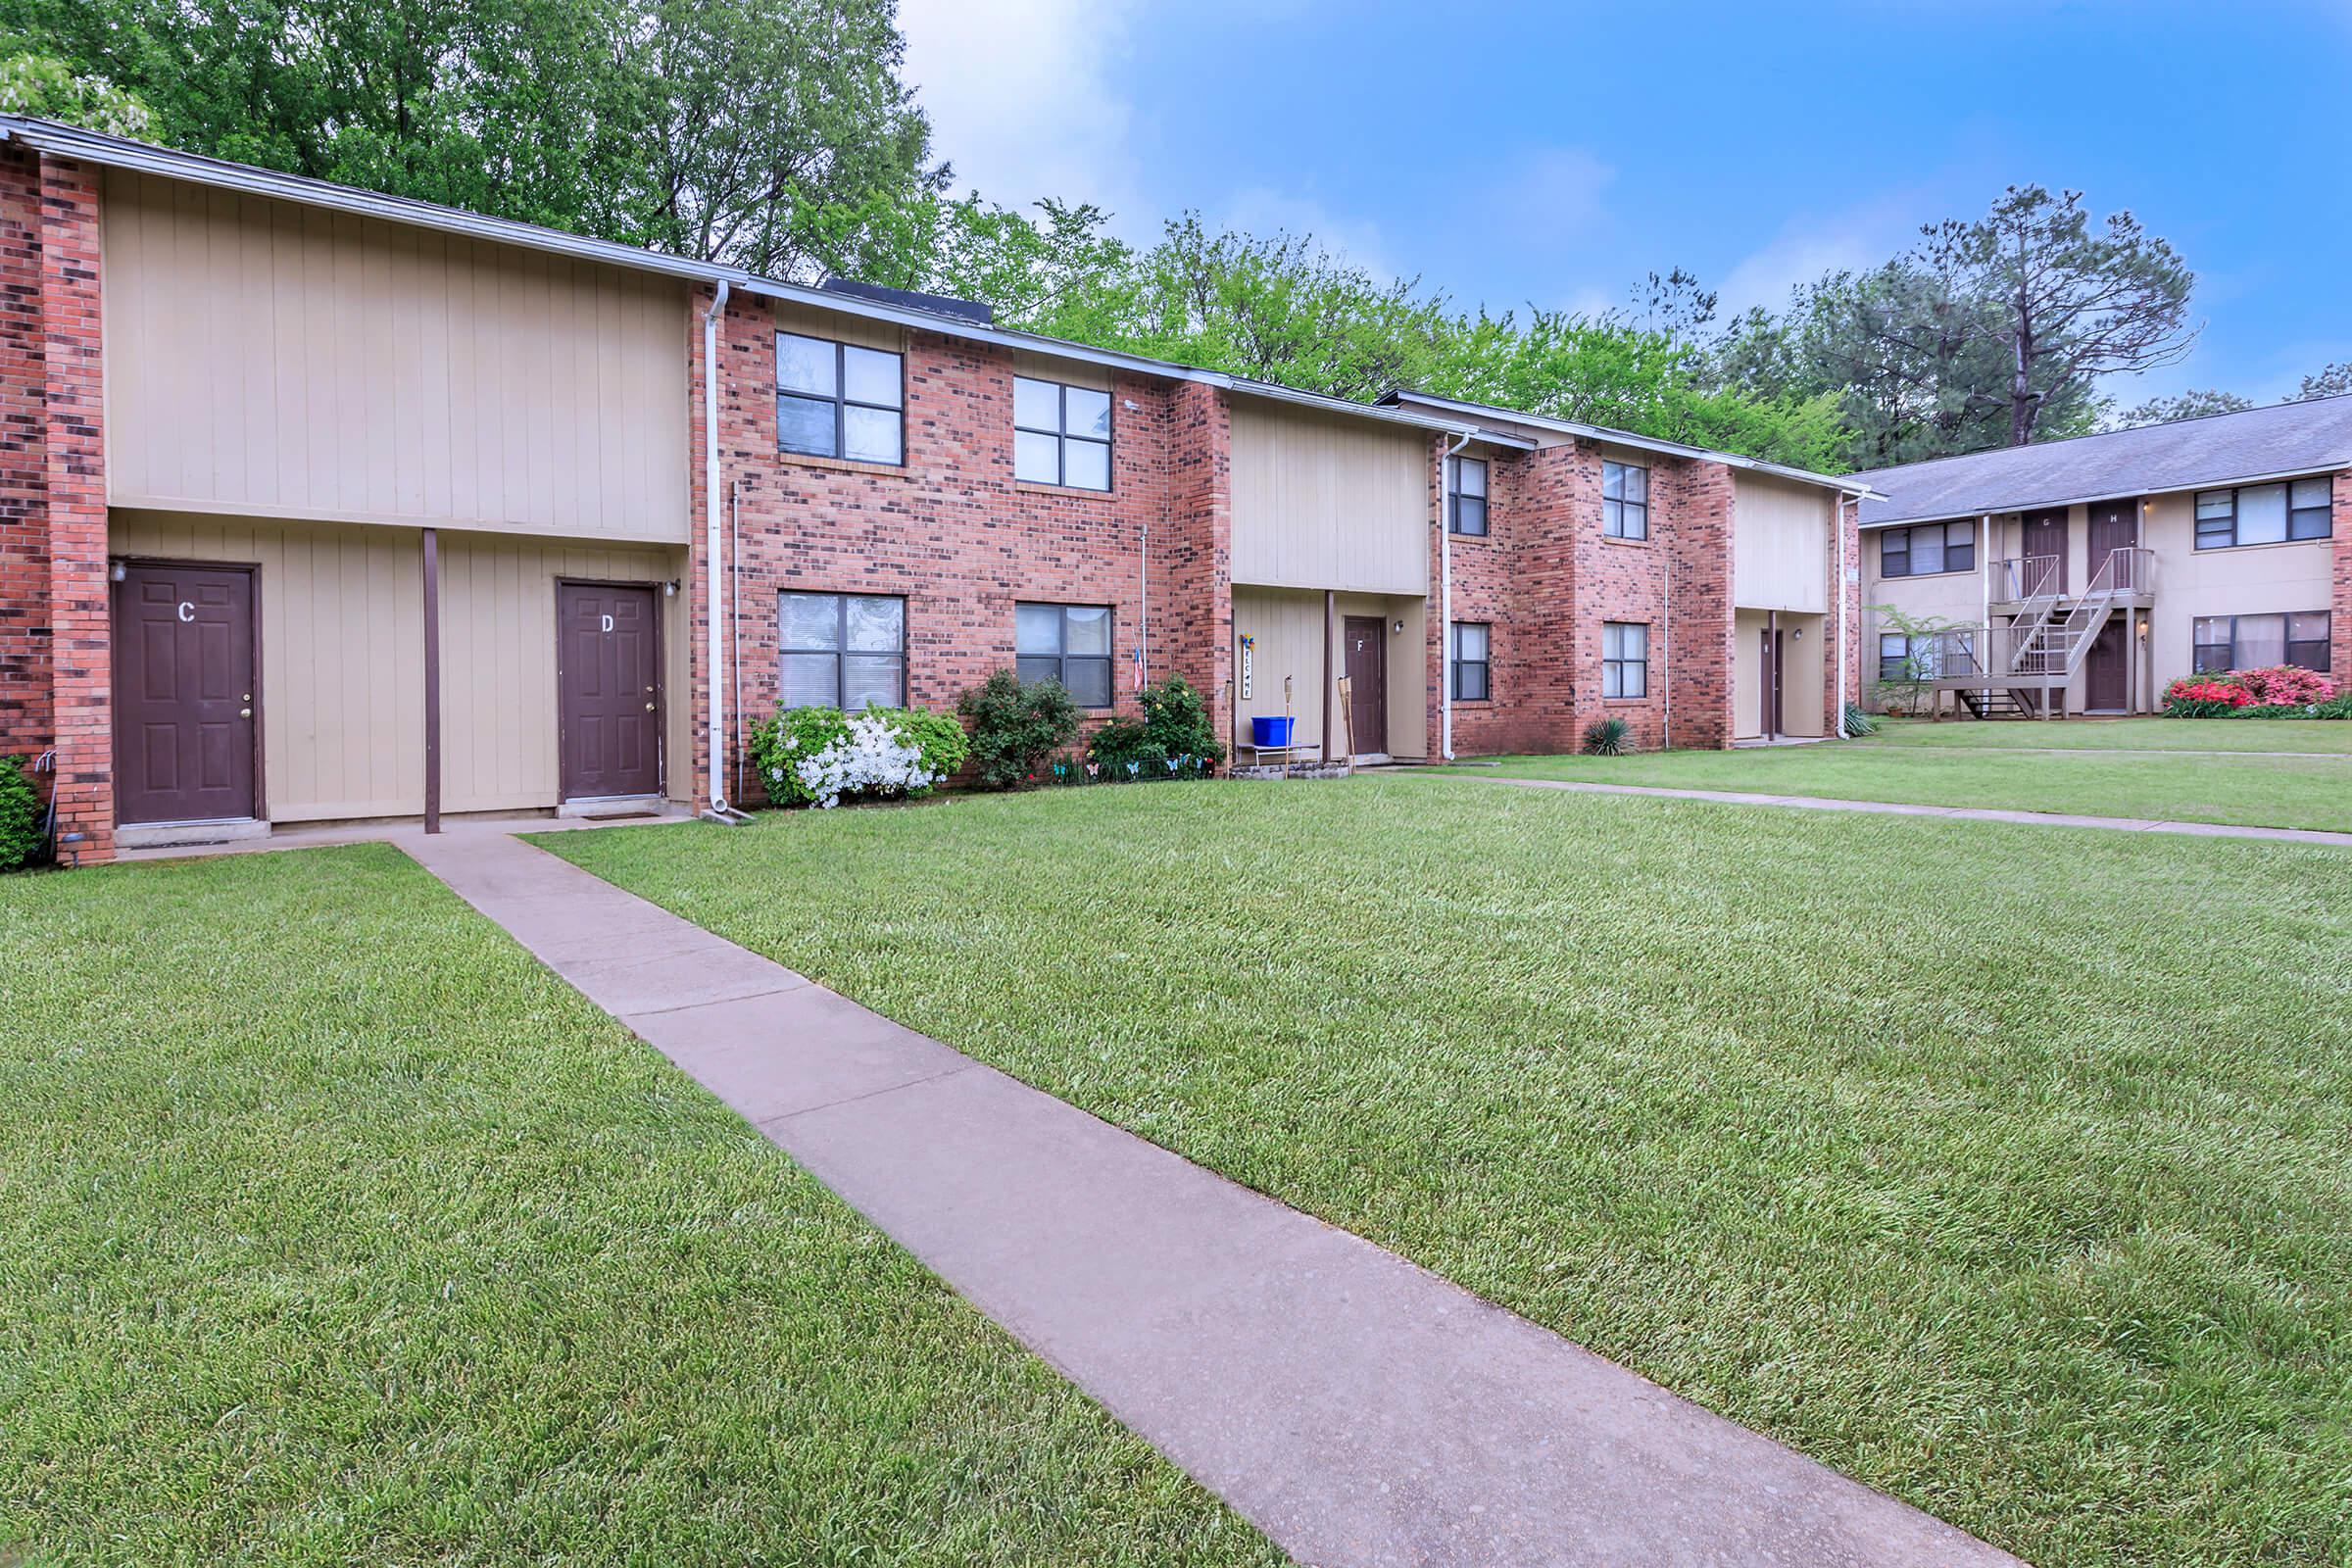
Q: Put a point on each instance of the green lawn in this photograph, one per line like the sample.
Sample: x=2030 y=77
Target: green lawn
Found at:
x=2123 y=734
x=2251 y=790
x=334 y=1230
x=2002 y=1167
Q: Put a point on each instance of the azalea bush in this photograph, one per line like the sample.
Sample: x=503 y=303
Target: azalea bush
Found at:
x=2276 y=691
x=821 y=755
x=1016 y=726
x=1174 y=738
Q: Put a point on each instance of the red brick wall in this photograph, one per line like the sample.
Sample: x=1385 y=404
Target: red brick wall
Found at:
x=1846 y=585
x=74 y=469
x=27 y=713
x=958 y=538
x=1520 y=579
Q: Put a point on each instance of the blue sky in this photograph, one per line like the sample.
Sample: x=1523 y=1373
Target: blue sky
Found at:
x=1509 y=153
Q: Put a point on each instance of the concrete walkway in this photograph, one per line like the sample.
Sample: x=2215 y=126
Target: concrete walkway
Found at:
x=1357 y=1409
x=1965 y=813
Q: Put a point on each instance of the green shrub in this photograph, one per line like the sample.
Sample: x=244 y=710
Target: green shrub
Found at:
x=1015 y=728
x=1605 y=737
x=787 y=737
x=1858 y=720
x=1175 y=726
x=2336 y=707
x=20 y=815
x=2268 y=710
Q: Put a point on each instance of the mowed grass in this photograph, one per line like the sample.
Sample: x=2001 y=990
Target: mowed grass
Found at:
x=2002 y=1167
x=333 y=1230
x=2122 y=734
x=2251 y=791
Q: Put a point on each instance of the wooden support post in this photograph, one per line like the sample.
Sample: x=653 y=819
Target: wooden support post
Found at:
x=432 y=680
x=1330 y=602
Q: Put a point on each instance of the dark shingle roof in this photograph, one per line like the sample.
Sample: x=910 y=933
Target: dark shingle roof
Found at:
x=2259 y=443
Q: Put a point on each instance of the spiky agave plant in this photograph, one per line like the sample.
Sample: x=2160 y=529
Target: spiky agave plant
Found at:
x=1605 y=737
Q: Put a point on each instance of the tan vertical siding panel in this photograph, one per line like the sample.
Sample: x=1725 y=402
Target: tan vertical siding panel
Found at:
x=1322 y=503
x=267 y=357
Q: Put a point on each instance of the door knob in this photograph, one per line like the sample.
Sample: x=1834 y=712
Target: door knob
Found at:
x=649 y=708
x=244 y=712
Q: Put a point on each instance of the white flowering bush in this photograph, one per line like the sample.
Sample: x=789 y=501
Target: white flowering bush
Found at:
x=823 y=757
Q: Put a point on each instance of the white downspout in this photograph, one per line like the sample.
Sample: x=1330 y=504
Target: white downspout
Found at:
x=1837 y=587
x=714 y=721
x=1446 y=606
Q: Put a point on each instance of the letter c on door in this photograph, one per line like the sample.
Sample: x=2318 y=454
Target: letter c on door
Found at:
x=187 y=611
x=608 y=622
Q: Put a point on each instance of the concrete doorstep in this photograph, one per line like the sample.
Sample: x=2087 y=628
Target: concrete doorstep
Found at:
x=1357 y=1409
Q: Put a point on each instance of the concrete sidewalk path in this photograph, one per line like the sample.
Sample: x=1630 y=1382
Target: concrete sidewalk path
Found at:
x=1357 y=1409
x=1965 y=813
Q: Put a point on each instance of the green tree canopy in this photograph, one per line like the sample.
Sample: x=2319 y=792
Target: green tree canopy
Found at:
x=772 y=134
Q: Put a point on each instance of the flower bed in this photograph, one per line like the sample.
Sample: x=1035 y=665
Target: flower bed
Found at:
x=2278 y=691
x=821 y=755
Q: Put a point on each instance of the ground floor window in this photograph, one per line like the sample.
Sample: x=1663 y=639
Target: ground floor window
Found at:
x=1065 y=643
x=1471 y=641
x=2257 y=642
x=1624 y=659
x=845 y=651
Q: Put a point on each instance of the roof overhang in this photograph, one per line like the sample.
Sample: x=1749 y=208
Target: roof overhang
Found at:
x=116 y=152
x=2217 y=483
x=1627 y=438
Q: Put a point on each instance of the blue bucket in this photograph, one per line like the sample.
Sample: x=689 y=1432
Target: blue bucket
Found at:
x=1271 y=732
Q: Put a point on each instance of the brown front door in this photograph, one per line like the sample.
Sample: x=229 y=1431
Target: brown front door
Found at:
x=2114 y=525
x=183 y=694
x=608 y=689
x=2106 y=671
x=1773 y=646
x=1368 y=682
x=2046 y=535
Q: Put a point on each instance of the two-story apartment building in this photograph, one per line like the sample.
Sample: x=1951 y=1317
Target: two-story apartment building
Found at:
x=318 y=504
x=2087 y=576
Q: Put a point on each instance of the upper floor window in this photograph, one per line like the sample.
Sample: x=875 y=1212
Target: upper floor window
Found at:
x=837 y=400
x=2257 y=642
x=1060 y=434
x=1928 y=548
x=1472 y=640
x=1624 y=659
x=1466 y=495
x=1067 y=643
x=1624 y=501
x=2265 y=513
x=845 y=651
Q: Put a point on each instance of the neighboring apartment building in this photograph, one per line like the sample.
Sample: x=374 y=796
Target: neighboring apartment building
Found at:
x=2087 y=576
x=319 y=505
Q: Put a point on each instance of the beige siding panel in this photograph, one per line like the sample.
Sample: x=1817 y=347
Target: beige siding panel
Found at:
x=267 y=360
x=1327 y=503
x=342 y=646
x=2252 y=580
x=1779 y=544
x=1070 y=372
x=498 y=665
x=342 y=655
x=1289 y=628
x=1287 y=624
x=864 y=332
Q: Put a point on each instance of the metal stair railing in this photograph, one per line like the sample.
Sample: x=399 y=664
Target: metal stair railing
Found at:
x=2054 y=646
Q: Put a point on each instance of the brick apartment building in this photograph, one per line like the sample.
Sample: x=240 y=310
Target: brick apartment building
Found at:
x=320 y=505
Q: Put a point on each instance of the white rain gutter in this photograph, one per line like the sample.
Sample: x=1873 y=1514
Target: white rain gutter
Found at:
x=714 y=724
x=1445 y=606
x=1838 y=581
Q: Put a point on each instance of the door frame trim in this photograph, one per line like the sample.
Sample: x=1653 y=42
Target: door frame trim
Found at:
x=565 y=580
x=1379 y=626
x=260 y=708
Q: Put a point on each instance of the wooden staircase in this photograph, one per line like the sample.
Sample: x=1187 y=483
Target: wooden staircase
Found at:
x=2001 y=701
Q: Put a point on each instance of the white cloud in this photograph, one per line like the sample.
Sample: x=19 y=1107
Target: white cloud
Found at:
x=1021 y=99
x=1810 y=245
x=1263 y=211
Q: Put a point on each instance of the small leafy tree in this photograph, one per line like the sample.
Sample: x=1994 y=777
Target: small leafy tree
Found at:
x=1908 y=688
x=1015 y=726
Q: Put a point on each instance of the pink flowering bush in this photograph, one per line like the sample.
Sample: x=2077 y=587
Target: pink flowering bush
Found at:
x=2284 y=684
x=2280 y=691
